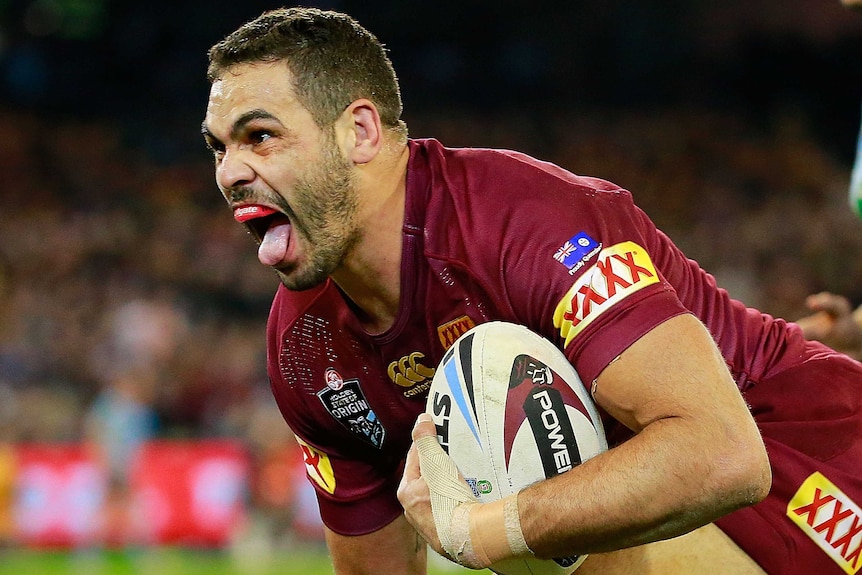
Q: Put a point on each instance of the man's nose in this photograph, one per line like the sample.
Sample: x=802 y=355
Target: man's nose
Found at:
x=232 y=171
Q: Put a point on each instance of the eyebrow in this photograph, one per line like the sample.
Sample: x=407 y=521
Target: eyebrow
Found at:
x=240 y=123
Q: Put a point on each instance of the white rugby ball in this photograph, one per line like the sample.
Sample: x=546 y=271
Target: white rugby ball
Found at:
x=511 y=410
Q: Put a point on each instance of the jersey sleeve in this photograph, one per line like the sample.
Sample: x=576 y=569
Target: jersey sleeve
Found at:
x=593 y=280
x=355 y=496
x=355 y=483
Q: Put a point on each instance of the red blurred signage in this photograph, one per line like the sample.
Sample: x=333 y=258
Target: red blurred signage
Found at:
x=179 y=492
x=189 y=493
x=59 y=496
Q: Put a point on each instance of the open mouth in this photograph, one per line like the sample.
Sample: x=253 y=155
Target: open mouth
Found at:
x=271 y=229
x=256 y=218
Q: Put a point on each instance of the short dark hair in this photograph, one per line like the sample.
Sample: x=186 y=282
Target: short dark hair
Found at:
x=334 y=61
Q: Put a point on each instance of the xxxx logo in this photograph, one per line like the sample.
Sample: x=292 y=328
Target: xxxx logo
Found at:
x=410 y=373
x=619 y=271
x=831 y=519
x=452 y=330
x=318 y=466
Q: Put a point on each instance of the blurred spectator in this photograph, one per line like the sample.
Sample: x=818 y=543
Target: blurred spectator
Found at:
x=140 y=338
x=832 y=319
x=284 y=501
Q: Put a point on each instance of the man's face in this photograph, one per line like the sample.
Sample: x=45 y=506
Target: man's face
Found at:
x=283 y=176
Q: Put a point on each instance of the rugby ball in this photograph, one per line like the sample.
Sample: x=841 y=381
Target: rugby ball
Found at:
x=510 y=410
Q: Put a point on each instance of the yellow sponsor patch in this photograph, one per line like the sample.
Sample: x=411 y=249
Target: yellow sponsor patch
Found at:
x=620 y=270
x=831 y=519
x=318 y=466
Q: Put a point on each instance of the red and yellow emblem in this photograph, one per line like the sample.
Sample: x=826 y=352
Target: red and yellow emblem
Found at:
x=831 y=519
x=318 y=466
x=620 y=270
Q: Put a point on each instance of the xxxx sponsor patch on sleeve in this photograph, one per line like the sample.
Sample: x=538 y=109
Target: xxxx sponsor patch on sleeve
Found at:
x=829 y=518
x=619 y=271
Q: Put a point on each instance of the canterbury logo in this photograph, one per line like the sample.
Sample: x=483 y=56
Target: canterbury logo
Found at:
x=407 y=371
x=619 y=271
x=831 y=519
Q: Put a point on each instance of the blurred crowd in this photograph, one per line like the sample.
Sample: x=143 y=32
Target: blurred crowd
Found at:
x=133 y=307
x=761 y=205
x=125 y=281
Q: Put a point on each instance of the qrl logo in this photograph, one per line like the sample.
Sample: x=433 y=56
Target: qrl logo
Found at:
x=552 y=430
x=619 y=271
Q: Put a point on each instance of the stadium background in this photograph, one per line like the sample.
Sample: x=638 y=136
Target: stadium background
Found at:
x=132 y=307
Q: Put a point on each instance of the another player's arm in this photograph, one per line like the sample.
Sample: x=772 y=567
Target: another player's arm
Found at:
x=396 y=548
x=834 y=322
x=697 y=454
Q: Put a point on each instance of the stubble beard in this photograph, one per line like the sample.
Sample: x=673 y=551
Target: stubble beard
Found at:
x=327 y=198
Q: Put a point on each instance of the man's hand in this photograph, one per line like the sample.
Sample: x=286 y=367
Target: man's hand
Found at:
x=413 y=492
x=833 y=322
x=444 y=511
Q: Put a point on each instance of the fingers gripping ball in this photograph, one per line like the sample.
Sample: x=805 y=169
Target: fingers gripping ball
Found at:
x=472 y=534
x=450 y=499
x=510 y=411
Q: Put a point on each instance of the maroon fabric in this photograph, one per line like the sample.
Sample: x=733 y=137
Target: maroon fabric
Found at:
x=494 y=235
x=811 y=419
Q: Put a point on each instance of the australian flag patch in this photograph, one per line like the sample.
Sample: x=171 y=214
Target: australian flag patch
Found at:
x=576 y=251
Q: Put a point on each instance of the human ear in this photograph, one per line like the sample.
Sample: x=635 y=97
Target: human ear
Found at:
x=360 y=132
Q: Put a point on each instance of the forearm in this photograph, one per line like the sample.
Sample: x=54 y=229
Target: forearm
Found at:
x=697 y=455
x=666 y=481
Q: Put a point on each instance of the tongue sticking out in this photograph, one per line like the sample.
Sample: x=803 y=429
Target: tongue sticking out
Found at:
x=273 y=246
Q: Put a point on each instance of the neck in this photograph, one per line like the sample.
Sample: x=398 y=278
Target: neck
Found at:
x=370 y=278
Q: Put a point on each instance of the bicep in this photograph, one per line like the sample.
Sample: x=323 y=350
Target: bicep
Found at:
x=696 y=454
x=395 y=548
x=674 y=371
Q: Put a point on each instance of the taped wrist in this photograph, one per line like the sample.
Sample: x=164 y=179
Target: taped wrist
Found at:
x=474 y=535
x=448 y=491
x=495 y=531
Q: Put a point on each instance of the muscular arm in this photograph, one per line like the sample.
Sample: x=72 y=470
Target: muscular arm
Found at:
x=396 y=548
x=697 y=454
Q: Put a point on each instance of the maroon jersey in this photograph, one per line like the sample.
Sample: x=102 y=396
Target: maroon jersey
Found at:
x=488 y=235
